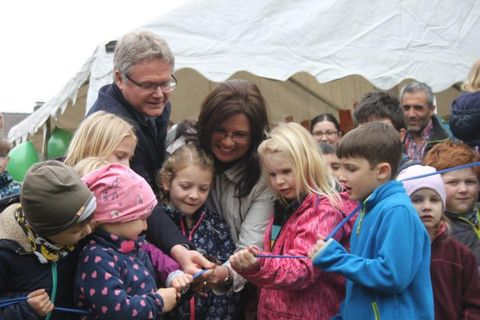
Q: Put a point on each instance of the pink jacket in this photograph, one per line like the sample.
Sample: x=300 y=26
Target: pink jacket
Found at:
x=294 y=288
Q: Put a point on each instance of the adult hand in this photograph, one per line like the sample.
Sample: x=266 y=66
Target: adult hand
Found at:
x=40 y=302
x=170 y=297
x=244 y=258
x=219 y=277
x=191 y=261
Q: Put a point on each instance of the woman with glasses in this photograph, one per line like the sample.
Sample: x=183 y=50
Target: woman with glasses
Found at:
x=325 y=128
x=233 y=121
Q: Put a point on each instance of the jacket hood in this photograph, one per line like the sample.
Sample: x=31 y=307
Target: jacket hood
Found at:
x=11 y=230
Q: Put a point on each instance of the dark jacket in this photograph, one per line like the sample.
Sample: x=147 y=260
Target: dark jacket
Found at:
x=211 y=236
x=22 y=273
x=455 y=282
x=150 y=150
x=116 y=280
x=465 y=118
x=465 y=232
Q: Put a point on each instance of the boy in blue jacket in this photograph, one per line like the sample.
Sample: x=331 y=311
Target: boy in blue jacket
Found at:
x=388 y=268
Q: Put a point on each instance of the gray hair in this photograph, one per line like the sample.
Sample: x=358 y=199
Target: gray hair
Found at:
x=416 y=86
x=138 y=46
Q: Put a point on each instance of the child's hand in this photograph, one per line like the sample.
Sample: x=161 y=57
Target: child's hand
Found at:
x=170 y=297
x=182 y=282
x=244 y=258
x=319 y=245
x=40 y=302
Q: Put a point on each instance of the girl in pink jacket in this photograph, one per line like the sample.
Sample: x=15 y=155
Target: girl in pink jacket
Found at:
x=308 y=206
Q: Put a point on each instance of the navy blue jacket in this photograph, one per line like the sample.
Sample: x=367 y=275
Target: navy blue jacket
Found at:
x=465 y=118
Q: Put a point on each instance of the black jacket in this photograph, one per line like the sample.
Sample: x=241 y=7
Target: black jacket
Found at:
x=22 y=273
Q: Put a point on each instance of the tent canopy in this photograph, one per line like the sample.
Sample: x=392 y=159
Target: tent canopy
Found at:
x=306 y=56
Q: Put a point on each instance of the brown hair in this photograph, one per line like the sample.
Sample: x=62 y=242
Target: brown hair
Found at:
x=375 y=142
x=450 y=154
x=228 y=99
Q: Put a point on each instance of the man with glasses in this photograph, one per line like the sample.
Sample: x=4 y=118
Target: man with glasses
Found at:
x=143 y=82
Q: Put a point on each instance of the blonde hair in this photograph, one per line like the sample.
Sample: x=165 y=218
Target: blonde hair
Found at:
x=293 y=144
x=98 y=136
x=89 y=164
x=472 y=84
x=185 y=156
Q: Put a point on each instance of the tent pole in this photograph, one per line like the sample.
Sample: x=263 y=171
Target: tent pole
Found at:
x=46 y=137
x=308 y=90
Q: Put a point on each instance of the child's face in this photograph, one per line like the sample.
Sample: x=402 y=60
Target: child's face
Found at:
x=72 y=235
x=358 y=178
x=189 y=188
x=334 y=164
x=3 y=163
x=129 y=230
x=462 y=188
x=281 y=177
x=429 y=207
x=123 y=152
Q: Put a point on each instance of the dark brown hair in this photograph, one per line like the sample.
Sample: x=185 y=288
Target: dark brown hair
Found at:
x=375 y=142
x=5 y=147
x=228 y=99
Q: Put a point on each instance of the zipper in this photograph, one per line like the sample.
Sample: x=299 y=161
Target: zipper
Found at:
x=376 y=313
x=360 y=219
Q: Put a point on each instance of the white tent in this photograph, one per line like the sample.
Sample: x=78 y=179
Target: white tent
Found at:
x=307 y=56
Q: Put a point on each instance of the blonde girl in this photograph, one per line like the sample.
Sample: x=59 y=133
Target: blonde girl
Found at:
x=308 y=206
x=185 y=180
x=103 y=135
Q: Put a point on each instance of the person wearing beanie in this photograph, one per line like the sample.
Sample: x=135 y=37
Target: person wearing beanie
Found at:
x=38 y=238
x=114 y=278
x=453 y=269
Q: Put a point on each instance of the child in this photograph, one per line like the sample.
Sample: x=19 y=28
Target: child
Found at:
x=462 y=188
x=8 y=187
x=307 y=206
x=103 y=135
x=456 y=288
x=388 y=267
x=114 y=278
x=37 y=239
x=185 y=180
x=329 y=153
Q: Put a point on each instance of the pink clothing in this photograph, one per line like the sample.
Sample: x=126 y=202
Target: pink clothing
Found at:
x=122 y=195
x=294 y=288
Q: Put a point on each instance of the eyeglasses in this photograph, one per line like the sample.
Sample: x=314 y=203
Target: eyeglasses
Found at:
x=166 y=87
x=237 y=137
x=329 y=133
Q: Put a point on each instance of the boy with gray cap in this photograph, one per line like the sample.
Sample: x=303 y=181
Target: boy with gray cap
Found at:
x=38 y=238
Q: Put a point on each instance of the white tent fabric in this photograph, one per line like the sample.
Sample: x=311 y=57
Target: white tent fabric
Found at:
x=307 y=56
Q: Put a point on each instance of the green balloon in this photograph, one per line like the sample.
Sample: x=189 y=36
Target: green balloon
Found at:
x=22 y=157
x=58 y=143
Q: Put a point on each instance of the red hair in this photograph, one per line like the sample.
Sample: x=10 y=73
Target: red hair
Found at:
x=451 y=154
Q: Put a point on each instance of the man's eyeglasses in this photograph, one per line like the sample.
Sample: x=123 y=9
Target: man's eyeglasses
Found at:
x=166 y=87
x=329 y=133
x=238 y=137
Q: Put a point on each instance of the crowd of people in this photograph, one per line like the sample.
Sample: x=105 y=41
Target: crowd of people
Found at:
x=225 y=217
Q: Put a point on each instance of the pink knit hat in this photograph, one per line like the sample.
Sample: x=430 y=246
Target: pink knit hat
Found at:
x=122 y=195
x=434 y=182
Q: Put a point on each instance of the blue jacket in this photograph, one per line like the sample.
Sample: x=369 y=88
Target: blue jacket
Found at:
x=115 y=280
x=388 y=269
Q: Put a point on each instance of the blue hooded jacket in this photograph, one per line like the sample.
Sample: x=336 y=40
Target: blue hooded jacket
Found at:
x=388 y=269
